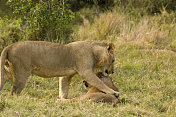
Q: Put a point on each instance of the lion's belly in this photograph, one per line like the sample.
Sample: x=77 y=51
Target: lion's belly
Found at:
x=47 y=73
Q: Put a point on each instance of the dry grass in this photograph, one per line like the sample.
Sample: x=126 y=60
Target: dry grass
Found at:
x=149 y=31
x=144 y=33
x=104 y=26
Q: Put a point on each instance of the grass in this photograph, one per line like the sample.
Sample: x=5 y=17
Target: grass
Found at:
x=146 y=79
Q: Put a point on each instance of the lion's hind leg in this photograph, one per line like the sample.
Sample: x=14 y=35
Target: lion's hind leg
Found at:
x=19 y=80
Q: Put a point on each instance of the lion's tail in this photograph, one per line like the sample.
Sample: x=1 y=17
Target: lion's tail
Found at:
x=2 y=63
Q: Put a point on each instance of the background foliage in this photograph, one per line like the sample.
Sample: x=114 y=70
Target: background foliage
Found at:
x=11 y=32
x=47 y=20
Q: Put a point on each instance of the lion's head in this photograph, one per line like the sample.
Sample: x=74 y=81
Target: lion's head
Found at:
x=104 y=56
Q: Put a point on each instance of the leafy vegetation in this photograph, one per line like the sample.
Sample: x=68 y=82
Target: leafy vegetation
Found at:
x=11 y=32
x=144 y=34
x=48 y=20
x=44 y=20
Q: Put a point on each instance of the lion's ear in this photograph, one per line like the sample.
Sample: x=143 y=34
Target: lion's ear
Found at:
x=110 y=47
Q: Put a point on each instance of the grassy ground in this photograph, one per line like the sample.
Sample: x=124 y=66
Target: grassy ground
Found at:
x=146 y=79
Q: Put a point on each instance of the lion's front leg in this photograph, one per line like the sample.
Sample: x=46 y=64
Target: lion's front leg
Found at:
x=64 y=83
x=92 y=79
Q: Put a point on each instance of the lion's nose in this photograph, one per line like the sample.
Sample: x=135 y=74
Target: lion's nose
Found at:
x=106 y=71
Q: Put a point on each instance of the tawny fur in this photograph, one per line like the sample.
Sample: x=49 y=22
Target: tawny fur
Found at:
x=48 y=59
x=95 y=94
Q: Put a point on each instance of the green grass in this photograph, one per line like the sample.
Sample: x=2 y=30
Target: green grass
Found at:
x=146 y=80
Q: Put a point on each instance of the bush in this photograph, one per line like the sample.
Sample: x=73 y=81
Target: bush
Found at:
x=10 y=32
x=47 y=20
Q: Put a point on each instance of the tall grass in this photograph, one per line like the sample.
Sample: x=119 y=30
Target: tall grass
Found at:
x=150 y=31
x=103 y=26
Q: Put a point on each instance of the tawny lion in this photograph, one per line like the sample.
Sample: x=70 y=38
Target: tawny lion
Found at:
x=95 y=94
x=48 y=59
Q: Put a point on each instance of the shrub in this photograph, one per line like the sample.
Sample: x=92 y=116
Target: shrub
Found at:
x=47 y=20
x=10 y=32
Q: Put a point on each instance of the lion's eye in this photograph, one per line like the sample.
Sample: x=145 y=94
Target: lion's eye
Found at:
x=113 y=60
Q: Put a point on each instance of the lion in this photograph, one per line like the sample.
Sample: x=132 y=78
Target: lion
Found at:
x=95 y=94
x=47 y=59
